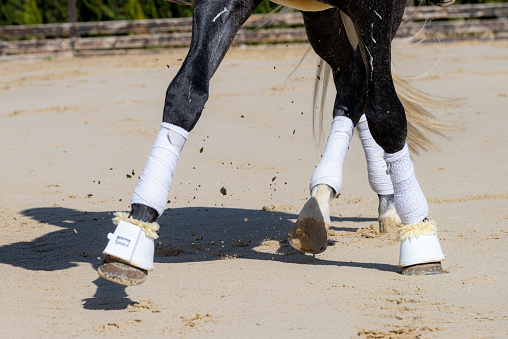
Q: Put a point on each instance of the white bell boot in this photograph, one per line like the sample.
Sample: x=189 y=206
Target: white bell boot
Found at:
x=133 y=241
x=419 y=244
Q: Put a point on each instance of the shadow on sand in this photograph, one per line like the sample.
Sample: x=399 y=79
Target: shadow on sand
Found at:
x=187 y=235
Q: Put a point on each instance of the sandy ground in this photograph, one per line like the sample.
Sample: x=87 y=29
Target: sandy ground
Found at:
x=75 y=135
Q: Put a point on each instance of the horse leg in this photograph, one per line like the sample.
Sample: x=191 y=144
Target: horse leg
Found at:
x=130 y=251
x=379 y=179
x=310 y=233
x=376 y=23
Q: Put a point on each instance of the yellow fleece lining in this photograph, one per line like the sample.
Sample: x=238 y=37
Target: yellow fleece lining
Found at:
x=150 y=229
x=413 y=231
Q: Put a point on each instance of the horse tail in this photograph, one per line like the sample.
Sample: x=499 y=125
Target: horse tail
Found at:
x=420 y=122
x=323 y=73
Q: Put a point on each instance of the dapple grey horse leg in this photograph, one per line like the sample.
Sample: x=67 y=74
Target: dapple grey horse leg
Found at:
x=214 y=27
x=215 y=24
x=376 y=23
x=327 y=36
x=348 y=69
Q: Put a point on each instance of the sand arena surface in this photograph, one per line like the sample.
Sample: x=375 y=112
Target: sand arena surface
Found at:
x=76 y=133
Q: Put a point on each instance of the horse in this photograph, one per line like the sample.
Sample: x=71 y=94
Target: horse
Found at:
x=353 y=39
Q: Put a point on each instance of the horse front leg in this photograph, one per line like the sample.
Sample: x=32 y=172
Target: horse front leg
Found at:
x=376 y=23
x=130 y=250
x=328 y=37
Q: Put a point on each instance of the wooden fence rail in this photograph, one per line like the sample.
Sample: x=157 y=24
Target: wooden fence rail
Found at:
x=76 y=37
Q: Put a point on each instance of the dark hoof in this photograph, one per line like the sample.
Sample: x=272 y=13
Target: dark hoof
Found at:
x=423 y=269
x=121 y=273
x=442 y=3
x=309 y=236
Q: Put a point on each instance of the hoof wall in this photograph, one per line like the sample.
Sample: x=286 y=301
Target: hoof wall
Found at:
x=309 y=236
x=388 y=225
x=423 y=269
x=121 y=273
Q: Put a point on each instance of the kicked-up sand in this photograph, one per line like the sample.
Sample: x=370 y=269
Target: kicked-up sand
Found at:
x=75 y=134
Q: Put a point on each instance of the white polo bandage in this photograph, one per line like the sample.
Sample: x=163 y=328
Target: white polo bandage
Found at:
x=329 y=169
x=153 y=186
x=379 y=180
x=409 y=199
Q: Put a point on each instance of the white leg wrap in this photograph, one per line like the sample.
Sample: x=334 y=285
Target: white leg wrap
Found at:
x=410 y=202
x=153 y=186
x=379 y=180
x=329 y=169
x=419 y=242
x=132 y=241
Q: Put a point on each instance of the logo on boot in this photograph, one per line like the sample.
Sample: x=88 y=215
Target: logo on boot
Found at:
x=122 y=241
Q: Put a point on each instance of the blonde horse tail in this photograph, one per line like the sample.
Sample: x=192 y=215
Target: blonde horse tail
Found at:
x=321 y=82
x=421 y=124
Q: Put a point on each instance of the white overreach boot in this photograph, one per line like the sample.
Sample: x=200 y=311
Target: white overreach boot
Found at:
x=418 y=235
x=419 y=244
x=130 y=251
x=132 y=242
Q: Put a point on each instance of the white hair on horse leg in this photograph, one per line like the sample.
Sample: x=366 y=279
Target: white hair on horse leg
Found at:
x=379 y=180
x=329 y=169
x=410 y=201
x=218 y=15
x=153 y=186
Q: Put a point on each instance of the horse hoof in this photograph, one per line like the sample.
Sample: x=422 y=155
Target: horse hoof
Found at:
x=388 y=225
x=309 y=236
x=121 y=273
x=388 y=217
x=423 y=269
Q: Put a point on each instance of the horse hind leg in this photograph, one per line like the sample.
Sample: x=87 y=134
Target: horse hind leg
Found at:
x=130 y=250
x=379 y=179
x=420 y=251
